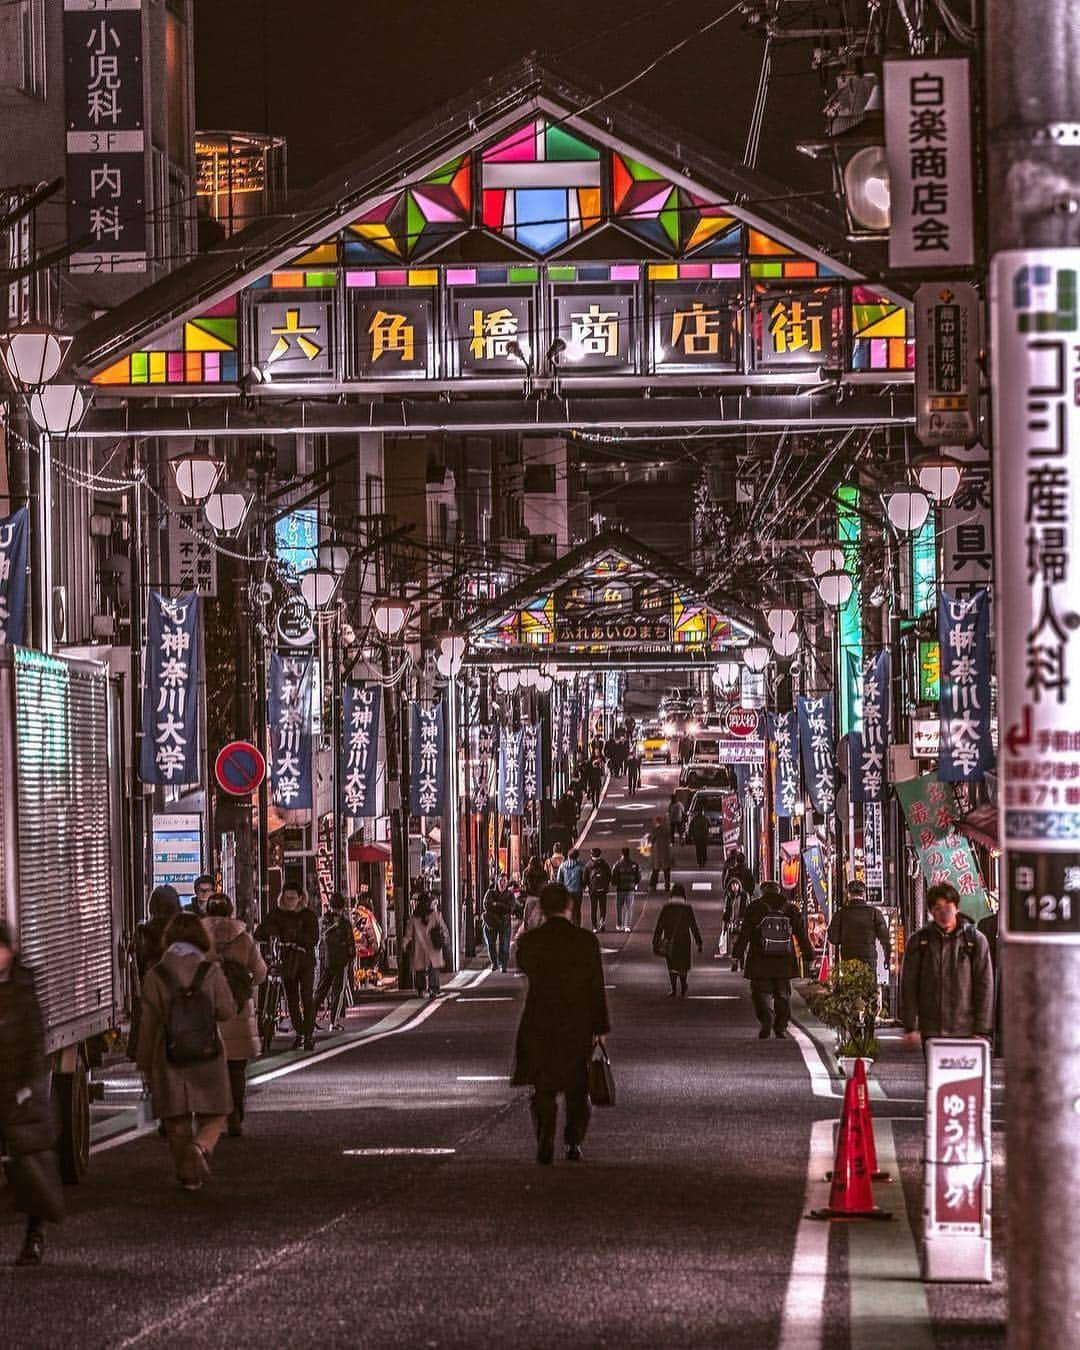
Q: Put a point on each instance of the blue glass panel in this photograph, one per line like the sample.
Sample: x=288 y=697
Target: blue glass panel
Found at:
x=541 y=218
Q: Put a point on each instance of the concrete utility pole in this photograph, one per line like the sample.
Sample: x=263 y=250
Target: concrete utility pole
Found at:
x=1032 y=102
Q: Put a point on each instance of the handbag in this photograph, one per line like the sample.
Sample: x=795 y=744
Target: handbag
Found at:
x=601 y=1079
x=35 y=1182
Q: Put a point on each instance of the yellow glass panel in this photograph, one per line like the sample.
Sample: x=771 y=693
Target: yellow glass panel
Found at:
x=118 y=373
x=423 y=276
x=663 y=272
x=708 y=226
x=318 y=257
x=762 y=246
x=888 y=326
x=199 y=340
x=157 y=368
x=377 y=234
x=589 y=205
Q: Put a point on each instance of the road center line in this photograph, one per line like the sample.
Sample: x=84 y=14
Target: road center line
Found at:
x=821 y=1082
x=802 y=1324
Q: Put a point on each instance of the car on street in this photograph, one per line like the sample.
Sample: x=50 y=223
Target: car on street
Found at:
x=654 y=744
x=707 y=773
x=712 y=803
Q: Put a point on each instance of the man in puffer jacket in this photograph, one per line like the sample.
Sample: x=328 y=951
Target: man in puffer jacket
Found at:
x=858 y=928
x=236 y=948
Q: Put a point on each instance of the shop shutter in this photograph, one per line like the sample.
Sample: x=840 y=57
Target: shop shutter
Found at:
x=64 y=842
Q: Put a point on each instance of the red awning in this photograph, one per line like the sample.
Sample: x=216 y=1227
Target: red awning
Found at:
x=369 y=853
x=981 y=826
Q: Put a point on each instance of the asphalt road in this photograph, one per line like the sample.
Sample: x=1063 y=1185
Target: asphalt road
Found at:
x=678 y=1228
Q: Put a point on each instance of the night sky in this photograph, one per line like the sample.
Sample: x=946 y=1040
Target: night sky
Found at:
x=336 y=77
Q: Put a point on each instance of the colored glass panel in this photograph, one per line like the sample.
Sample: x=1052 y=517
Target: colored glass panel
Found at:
x=541 y=186
x=118 y=373
x=767 y=269
x=157 y=367
x=320 y=256
x=848 y=534
x=761 y=245
x=140 y=367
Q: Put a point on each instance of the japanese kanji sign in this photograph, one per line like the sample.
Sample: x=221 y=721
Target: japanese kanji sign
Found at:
x=694 y=326
x=106 y=173
x=289 y=711
x=598 y=329
x=532 y=763
x=192 y=559
x=958 y=1161
x=816 y=878
x=394 y=337
x=967 y=554
x=170 y=722
x=928 y=144
x=427 y=760
x=795 y=329
x=967 y=750
x=784 y=731
x=14 y=537
x=361 y=715
x=816 y=739
x=294 y=339
x=869 y=745
x=481 y=758
x=485 y=328
x=944 y=855
x=946 y=363
x=511 y=771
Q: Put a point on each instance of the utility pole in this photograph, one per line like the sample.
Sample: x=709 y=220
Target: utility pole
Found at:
x=1032 y=101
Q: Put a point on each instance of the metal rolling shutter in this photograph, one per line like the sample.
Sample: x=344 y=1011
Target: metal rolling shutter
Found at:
x=64 y=844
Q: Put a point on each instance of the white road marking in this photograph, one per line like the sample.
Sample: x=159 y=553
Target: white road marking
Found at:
x=489 y=998
x=397 y=1152
x=716 y=998
x=482 y=1078
x=701 y=885
x=609 y=951
x=802 y=1324
x=821 y=1082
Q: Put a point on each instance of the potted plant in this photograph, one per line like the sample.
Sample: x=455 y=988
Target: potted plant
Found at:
x=848 y=1004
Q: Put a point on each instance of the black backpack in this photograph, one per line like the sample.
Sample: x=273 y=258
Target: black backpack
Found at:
x=238 y=978
x=774 y=932
x=191 y=1034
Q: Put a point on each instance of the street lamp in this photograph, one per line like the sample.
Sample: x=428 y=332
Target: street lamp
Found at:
x=907 y=509
x=333 y=557
x=451 y=655
x=835 y=588
x=197 y=475
x=756 y=658
x=58 y=408
x=725 y=674
x=824 y=560
x=33 y=354
x=318 y=587
x=390 y=617
x=507 y=681
x=786 y=644
x=780 y=620
x=227 y=511
x=938 y=478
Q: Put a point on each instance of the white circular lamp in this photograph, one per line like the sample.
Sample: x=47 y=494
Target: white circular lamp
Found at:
x=390 y=617
x=318 y=588
x=451 y=654
x=780 y=620
x=907 y=510
x=333 y=557
x=938 y=478
x=785 y=645
x=725 y=674
x=197 y=475
x=756 y=658
x=835 y=588
x=227 y=511
x=868 y=189
x=824 y=560
x=33 y=354
x=58 y=408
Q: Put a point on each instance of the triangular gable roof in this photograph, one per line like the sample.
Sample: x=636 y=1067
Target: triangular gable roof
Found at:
x=427 y=159
x=604 y=566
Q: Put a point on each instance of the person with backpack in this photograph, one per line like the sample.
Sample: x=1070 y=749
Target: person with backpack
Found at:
x=244 y=968
x=675 y=927
x=571 y=875
x=947 y=982
x=185 y=1000
x=765 y=945
x=597 y=880
x=339 y=944
x=147 y=949
x=676 y=814
x=626 y=877
x=426 y=940
x=296 y=929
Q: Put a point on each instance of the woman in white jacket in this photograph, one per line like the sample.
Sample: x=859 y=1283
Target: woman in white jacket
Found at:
x=426 y=940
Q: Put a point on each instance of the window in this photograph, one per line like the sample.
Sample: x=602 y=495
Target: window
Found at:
x=541 y=548
x=22 y=47
x=540 y=478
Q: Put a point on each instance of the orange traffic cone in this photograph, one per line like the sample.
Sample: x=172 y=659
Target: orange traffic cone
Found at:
x=851 y=1195
x=823 y=969
x=862 y=1100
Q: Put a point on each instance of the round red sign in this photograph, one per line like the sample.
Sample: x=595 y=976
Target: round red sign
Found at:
x=239 y=768
x=742 y=721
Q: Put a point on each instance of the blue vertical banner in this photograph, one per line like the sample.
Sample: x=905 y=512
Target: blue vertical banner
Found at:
x=532 y=764
x=786 y=789
x=868 y=748
x=511 y=771
x=815 y=873
x=170 y=720
x=818 y=758
x=361 y=717
x=289 y=712
x=427 y=760
x=967 y=750
x=14 y=542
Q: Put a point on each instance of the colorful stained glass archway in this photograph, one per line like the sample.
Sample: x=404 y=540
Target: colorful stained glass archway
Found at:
x=541 y=186
x=413 y=221
x=666 y=216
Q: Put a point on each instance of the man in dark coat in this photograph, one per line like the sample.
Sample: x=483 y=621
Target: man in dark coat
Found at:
x=947 y=984
x=296 y=929
x=857 y=929
x=765 y=946
x=699 y=836
x=565 y=1017
x=597 y=883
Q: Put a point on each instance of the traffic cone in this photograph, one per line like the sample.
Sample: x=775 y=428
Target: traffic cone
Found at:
x=862 y=1099
x=823 y=969
x=851 y=1195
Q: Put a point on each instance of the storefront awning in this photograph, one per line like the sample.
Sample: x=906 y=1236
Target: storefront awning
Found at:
x=369 y=853
x=981 y=826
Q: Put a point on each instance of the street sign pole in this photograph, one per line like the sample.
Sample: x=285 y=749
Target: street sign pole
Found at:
x=1033 y=179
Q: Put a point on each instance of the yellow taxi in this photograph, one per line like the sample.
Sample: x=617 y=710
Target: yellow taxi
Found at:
x=654 y=745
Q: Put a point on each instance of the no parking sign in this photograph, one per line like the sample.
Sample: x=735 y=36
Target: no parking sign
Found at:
x=239 y=768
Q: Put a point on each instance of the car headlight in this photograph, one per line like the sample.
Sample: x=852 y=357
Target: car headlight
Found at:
x=669 y=728
x=693 y=728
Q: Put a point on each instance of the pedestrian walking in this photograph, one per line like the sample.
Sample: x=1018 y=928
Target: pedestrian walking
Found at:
x=671 y=939
x=735 y=868
x=148 y=946
x=626 y=877
x=766 y=948
x=596 y=779
x=598 y=883
x=27 y=1124
x=859 y=928
x=339 y=944
x=566 y=812
x=499 y=908
x=633 y=771
x=676 y=814
x=535 y=878
x=660 y=853
x=699 y=836
x=204 y=888
x=244 y=969
x=426 y=940
x=565 y=1017
x=572 y=875
x=611 y=754
x=186 y=998
x=296 y=929
x=947 y=983
x=686 y=750
x=554 y=862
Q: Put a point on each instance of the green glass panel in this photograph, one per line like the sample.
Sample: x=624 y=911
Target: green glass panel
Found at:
x=669 y=217
x=415 y=224
x=140 y=367
x=562 y=273
x=320 y=279
x=849 y=531
x=641 y=173
x=446 y=173
x=562 y=145
x=225 y=329
x=525 y=274
x=774 y=269
x=924 y=568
